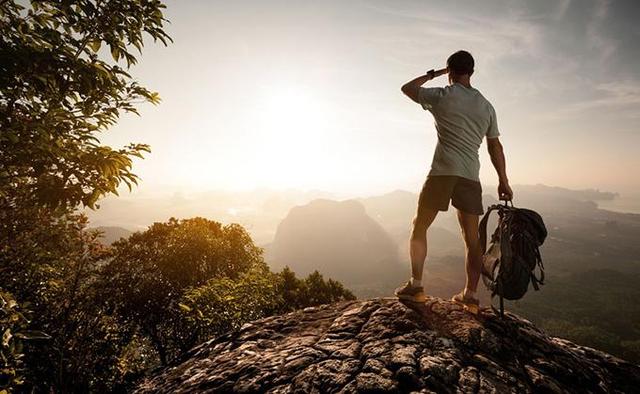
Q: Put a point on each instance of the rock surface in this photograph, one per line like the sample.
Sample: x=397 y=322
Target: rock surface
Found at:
x=382 y=345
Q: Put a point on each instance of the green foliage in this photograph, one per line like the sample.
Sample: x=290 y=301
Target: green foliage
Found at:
x=58 y=90
x=595 y=308
x=594 y=336
x=101 y=317
x=50 y=262
x=41 y=247
x=320 y=291
x=114 y=313
x=13 y=332
x=150 y=271
x=224 y=304
x=311 y=291
x=181 y=282
x=63 y=80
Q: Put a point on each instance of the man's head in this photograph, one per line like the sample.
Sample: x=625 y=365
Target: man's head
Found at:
x=459 y=64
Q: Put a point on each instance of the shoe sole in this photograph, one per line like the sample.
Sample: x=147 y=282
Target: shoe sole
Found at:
x=422 y=298
x=471 y=308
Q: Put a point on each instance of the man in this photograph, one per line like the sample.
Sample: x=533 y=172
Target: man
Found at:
x=463 y=117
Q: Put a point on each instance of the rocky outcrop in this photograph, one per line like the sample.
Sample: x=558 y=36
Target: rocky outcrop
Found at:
x=382 y=345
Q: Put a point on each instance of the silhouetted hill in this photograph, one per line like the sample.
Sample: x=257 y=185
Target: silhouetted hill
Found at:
x=111 y=234
x=384 y=346
x=337 y=238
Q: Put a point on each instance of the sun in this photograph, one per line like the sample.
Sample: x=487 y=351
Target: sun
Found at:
x=293 y=130
x=290 y=114
x=283 y=135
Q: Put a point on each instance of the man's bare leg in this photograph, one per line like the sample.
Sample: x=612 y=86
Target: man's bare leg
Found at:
x=418 y=243
x=473 y=254
x=413 y=290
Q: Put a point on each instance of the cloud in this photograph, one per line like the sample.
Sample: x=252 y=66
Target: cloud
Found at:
x=619 y=97
x=560 y=13
x=415 y=33
x=622 y=94
x=596 y=36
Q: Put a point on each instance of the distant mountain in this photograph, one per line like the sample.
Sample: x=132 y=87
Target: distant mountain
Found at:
x=259 y=210
x=561 y=192
x=337 y=238
x=111 y=234
x=393 y=209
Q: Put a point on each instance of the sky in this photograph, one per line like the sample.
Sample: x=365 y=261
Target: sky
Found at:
x=306 y=95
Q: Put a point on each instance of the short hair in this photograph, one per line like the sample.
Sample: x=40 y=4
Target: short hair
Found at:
x=461 y=63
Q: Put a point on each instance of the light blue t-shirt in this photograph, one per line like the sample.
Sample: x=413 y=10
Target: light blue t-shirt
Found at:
x=463 y=117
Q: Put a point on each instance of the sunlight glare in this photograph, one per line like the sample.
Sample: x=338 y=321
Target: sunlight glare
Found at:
x=292 y=135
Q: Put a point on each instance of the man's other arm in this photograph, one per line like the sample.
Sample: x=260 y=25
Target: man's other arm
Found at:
x=496 y=152
x=412 y=87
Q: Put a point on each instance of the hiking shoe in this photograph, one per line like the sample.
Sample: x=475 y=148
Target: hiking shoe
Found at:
x=410 y=293
x=469 y=304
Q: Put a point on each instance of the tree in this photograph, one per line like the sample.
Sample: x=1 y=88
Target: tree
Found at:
x=224 y=304
x=13 y=331
x=50 y=263
x=150 y=271
x=294 y=290
x=58 y=92
x=311 y=291
x=181 y=282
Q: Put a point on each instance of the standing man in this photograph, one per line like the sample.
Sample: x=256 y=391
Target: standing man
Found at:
x=463 y=117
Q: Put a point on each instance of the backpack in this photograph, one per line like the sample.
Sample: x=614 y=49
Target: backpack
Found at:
x=509 y=264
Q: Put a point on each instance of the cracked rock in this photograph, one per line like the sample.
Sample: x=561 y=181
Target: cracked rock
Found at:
x=385 y=346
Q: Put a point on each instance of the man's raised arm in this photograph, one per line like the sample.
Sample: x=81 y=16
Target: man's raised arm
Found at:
x=412 y=87
x=496 y=152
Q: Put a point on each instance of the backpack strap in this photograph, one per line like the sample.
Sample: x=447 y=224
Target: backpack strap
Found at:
x=482 y=228
x=500 y=311
x=536 y=281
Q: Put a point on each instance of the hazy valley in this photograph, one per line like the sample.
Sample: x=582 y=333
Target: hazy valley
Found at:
x=590 y=253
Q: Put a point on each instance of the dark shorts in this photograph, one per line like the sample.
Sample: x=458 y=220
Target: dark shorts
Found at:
x=437 y=191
